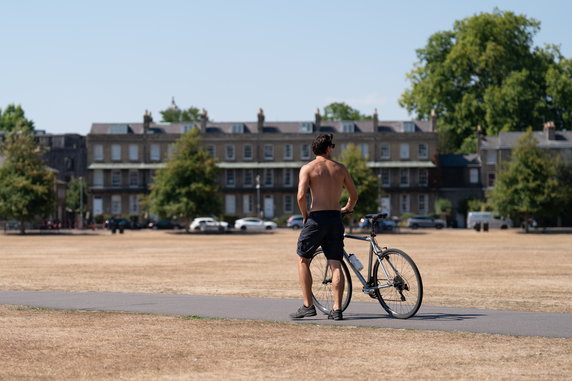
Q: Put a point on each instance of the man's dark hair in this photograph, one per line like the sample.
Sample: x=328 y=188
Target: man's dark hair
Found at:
x=321 y=143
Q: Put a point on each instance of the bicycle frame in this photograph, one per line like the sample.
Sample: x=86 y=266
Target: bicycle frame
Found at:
x=374 y=248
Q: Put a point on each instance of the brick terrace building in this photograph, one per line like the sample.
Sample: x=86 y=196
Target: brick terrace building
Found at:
x=260 y=161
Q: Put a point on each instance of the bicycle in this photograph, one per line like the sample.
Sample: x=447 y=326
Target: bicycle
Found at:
x=394 y=279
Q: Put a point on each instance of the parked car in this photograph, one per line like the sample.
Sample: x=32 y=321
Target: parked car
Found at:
x=164 y=225
x=251 y=223
x=476 y=218
x=380 y=225
x=415 y=222
x=115 y=224
x=295 y=222
x=208 y=224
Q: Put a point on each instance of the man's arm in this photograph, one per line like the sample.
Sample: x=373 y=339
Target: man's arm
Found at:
x=303 y=184
x=352 y=191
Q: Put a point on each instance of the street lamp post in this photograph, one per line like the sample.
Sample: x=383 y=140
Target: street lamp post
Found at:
x=258 y=195
x=81 y=202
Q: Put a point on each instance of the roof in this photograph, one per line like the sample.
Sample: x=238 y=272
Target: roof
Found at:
x=269 y=127
x=459 y=160
x=562 y=139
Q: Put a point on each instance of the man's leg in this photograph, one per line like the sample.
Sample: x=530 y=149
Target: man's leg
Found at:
x=338 y=282
x=305 y=277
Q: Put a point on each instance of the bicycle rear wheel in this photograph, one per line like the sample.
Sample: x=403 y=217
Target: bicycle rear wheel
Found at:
x=402 y=290
x=322 y=291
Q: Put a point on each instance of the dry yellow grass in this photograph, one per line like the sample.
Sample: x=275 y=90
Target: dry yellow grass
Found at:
x=57 y=345
x=496 y=270
x=502 y=270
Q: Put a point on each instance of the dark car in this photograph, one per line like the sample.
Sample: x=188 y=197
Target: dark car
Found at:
x=115 y=224
x=380 y=225
x=164 y=225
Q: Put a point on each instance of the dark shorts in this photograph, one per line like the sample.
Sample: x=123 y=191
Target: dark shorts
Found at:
x=323 y=228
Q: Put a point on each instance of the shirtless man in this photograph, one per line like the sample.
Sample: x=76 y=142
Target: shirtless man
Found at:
x=323 y=226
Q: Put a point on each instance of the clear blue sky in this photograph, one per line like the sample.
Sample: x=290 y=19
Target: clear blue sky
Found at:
x=72 y=63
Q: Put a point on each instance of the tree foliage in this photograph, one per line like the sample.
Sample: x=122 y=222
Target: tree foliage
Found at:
x=26 y=185
x=528 y=184
x=486 y=71
x=13 y=118
x=188 y=186
x=175 y=115
x=76 y=189
x=342 y=111
x=365 y=181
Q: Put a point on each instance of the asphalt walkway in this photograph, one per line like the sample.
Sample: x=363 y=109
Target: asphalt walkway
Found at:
x=362 y=314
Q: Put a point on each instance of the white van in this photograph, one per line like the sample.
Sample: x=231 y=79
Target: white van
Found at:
x=474 y=218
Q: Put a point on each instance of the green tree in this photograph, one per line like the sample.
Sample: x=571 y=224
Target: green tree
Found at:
x=175 y=115
x=342 y=111
x=366 y=182
x=26 y=185
x=13 y=118
x=486 y=71
x=76 y=195
x=527 y=185
x=188 y=186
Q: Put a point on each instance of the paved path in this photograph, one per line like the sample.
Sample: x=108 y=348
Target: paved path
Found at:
x=361 y=314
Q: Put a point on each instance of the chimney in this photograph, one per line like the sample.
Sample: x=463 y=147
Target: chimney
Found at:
x=204 y=118
x=318 y=117
x=260 y=125
x=147 y=120
x=549 y=131
x=375 y=120
x=434 y=120
x=479 y=137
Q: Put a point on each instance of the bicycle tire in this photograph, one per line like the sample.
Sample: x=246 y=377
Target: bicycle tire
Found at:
x=322 y=292
x=403 y=299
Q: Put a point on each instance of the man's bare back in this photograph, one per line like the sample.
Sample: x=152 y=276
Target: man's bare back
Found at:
x=325 y=178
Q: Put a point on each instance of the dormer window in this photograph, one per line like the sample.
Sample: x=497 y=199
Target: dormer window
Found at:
x=348 y=127
x=238 y=128
x=408 y=127
x=119 y=129
x=188 y=127
x=307 y=127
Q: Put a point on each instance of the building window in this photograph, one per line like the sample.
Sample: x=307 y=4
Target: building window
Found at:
x=248 y=178
x=288 y=203
x=211 y=149
x=385 y=179
x=115 y=179
x=492 y=178
x=404 y=203
x=268 y=177
x=155 y=152
x=238 y=128
x=385 y=151
x=97 y=206
x=288 y=181
x=423 y=151
x=404 y=177
x=364 y=148
x=305 y=152
x=230 y=204
x=268 y=152
x=247 y=151
x=171 y=150
x=404 y=151
x=116 y=204
x=491 y=157
x=474 y=176
x=133 y=152
x=230 y=178
x=307 y=127
x=98 y=178
x=423 y=177
x=133 y=179
x=288 y=154
x=133 y=204
x=229 y=152
x=348 y=127
x=98 y=152
x=247 y=204
x=423 y=202
x=116 y=152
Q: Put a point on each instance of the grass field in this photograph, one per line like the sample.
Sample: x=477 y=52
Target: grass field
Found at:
x=497 y=270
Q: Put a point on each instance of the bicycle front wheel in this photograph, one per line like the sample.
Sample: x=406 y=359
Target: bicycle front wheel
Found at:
x=400 y=289
x=322 y=290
